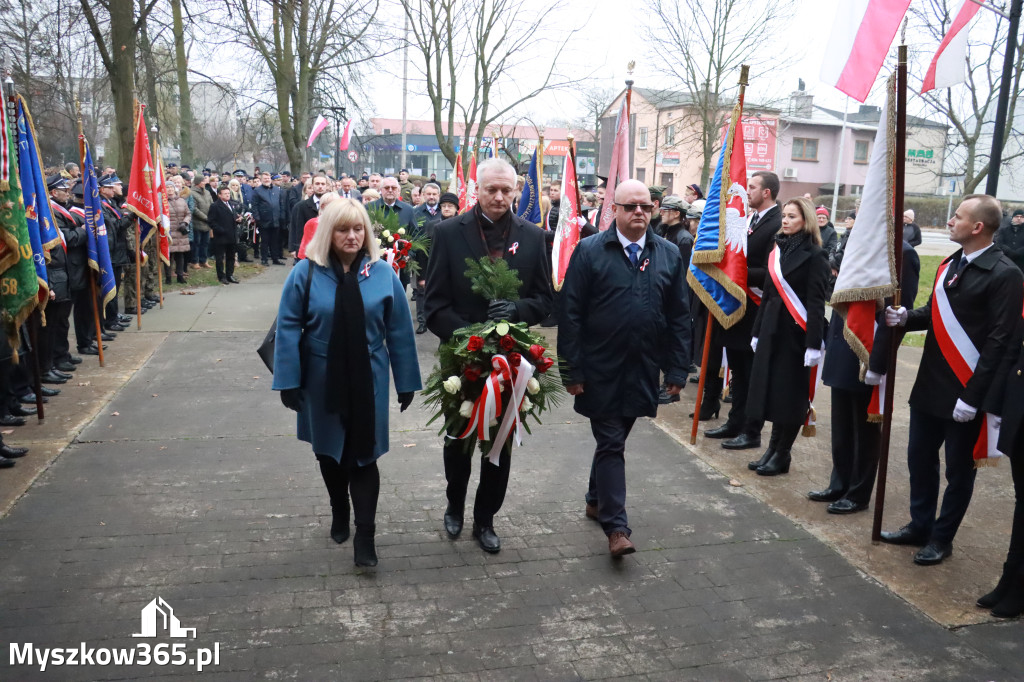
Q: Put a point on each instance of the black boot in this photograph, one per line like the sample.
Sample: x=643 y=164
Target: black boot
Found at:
x=773 y=442
x=709 y=409
x=1002 y=587
x=1012 y=604
x=339 y=525
x=779 y=462
x=365 y=552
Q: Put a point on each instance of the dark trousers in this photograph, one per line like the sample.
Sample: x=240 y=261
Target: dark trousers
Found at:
x=53 y=338
x=1015 y=555
x=854 y=445
x=927 y=435
x=713 y=382
x=741 y=363
x=179 y=259
x=418 y=296
x=490 y=493
x=85 y=324
x=270 y=244
x=607 y=486
x=347 y=477
x=111 y=311
x=224 y=255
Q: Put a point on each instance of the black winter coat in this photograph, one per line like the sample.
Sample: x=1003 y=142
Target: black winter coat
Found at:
x=221 y=218
x=118 y=223
x=268 y=207
x=1010 y=240
x=302 y=212
x=620 y=325
x=760 y=242
x=76 y=238
x=450 y=303
x=779 y=382
x=1012 y=391
x=425 y=224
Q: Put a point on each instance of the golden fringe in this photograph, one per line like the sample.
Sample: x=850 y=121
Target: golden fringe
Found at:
x=987 y=462
x=13 y=252
x=875 y=418
x=809 y=431
x=725 y=320
x=864 y=294
x=4 y=186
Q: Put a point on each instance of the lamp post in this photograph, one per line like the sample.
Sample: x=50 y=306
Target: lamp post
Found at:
x=338 y=113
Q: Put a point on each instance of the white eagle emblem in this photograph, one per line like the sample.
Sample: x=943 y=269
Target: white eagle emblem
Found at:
x=735 y=220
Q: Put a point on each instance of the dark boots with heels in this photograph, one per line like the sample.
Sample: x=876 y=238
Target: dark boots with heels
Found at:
x=773 y=442
x=781 y=457
x=1007 y=599
x=365 y=550
x=709 y=409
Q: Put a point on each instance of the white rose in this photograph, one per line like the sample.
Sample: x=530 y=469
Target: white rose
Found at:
x=452 y=384
x=527 y=405
x=466 y=409
x=386 y=233
x=390 y=239
x=401 y=230
x=533 y=386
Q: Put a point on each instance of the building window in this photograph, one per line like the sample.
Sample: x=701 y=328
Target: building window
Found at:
x=641 y=174
x=805 y=149
x=860 y=151
x=642 y=135
x=670 y=134
x=387 y=131
x=856 y=190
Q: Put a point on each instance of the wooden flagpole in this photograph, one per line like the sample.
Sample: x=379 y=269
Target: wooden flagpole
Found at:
x=703 y=378
x=138 y=246
x=894 y=340
x=158 y=166
x=92 y=273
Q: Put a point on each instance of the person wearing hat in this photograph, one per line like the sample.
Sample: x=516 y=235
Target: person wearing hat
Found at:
x=449 y=205
x=268 y=208
x=676 y=230
x=118 y=222
x=657 y=193
x=911 y=231
x=1010 y=238
x=692 y=193
x=405 y=185
x=829 y=236
x=55 y=358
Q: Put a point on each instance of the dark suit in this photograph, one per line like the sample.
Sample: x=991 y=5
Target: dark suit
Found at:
x=1011 y=442
x=225 y=235
x=302 y=212
x=987 y=300
x=450 y=304
x=404 y=211
x=424 y=222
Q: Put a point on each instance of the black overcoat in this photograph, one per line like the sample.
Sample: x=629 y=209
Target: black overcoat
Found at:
x=779 y=382
x=221 y=219
x=450 y=303
x=76 y=240
x=760 y=242
x=619 y=325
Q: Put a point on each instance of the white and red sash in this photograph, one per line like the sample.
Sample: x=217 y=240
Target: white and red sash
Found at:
x=793 y=304
x=114 y=210
x=54 y=206
x=960 y=353
x=876 y=406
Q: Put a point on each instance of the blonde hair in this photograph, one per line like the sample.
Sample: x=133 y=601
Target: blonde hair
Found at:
x=806 y=208
x=370 y=195
x=341 y=212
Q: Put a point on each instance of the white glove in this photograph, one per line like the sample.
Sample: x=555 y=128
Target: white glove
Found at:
x=753 y=344
x=812 y=356
x=873 y=378
x=896 y=317
x=964 y=412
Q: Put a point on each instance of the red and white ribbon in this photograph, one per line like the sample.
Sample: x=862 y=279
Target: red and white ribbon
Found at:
x=789 y=297
x=489 y=406
x=525 y=373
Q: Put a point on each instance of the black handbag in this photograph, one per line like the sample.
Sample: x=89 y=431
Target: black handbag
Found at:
x=266 y=349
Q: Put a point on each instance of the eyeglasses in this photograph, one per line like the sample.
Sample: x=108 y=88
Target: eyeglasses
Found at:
x=630 y=208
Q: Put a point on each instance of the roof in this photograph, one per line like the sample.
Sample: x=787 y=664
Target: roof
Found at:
x=869 y=117
x=516 y=130
x=677 y=99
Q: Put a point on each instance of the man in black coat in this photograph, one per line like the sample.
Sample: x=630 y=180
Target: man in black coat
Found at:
x=57 y=351
x=268 y=208
x=425 y=216
x=623 y=318
x=390 y=191
x=489 y=229
x=118 y=222
x=223 y=224
x=306 y=210
x=978 y=303
x=741 y=431
x=1010 y=238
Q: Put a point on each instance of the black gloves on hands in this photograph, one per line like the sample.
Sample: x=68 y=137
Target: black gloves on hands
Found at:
x=405 y=400
x=501 y=309
x=292 y=398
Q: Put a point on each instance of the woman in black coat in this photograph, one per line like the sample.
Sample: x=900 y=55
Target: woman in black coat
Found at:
x=785 y=349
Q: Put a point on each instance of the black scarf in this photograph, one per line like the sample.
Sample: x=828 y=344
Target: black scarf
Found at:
x=349 y=374
x=789 y=243
x=495 y=232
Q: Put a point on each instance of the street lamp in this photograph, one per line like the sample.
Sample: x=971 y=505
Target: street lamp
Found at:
x=338 y=113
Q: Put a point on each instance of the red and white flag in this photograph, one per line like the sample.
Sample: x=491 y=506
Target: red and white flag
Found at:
x=140 y=199
x=471 y=184
x=949 y=63
x=861 y=37
x=567 y=234
x=318 y=128
x=346 y=136
x=619 y=168
x=458 y=187
x=163 y=209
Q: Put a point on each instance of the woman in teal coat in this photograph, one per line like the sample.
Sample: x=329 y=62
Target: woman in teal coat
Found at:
x=331 y=363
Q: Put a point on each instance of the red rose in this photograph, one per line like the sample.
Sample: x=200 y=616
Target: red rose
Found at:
x=507 y=343
x=475 y=343
x=471 y=373
x=544 y=364
x=514 y=359
x=402 y=264
x=536 y=351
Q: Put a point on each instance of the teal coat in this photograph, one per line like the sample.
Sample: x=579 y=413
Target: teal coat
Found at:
x=300 y=360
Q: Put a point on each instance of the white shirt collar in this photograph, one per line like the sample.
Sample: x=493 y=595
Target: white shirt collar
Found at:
x=974 y=254
x=625 y=242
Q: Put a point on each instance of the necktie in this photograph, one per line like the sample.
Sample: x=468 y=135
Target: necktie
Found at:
x=634 y=250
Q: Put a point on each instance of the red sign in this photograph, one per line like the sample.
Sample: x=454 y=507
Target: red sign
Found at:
x=759 y=136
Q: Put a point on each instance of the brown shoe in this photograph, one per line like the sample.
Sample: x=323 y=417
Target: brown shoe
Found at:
x=619 y=544
x=591 y=511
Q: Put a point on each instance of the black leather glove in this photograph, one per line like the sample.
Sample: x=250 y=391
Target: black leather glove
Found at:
x=405 y=400
x=501 y=309
x=292 y=398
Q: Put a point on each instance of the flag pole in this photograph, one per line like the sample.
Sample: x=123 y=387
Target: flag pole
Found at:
x=138 y=246
x=572 y=158
x=159 y=251
x=92 y=273
x=540 y=171
x=629 y=106
x=894 y=340
x=703 y=378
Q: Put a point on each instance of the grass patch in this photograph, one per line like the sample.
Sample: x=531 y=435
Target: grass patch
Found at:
x=929 y=266
x=207 y=277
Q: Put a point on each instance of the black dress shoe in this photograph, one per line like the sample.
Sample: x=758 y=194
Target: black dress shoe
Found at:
x=904 y=536
x=277 y=262
x=778 y=464
x=11 y=420
x=108 y=336
x=52 y=378
x=452 y=523
x=29 y=399
x=64 y=369
x=744 y=441
x=231 y=278
x=124 y=319
x=664 y=398
x=826 y=495
x=758 y=463
x=11 y=452
x=845 y=506
x=422 y=329
x=488 y=539
x=21 y=410
x=726 y=430
x=114 y=327
x=933 y=553
x=709 y=409
x=74 y=360
x=6 y=463
x=91 y=350
x=49 y=392
x=151 y=299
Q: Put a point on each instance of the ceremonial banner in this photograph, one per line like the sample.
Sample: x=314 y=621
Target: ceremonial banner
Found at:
x=529 y=202
x=861 y=36
x=471 y=184
x=346 y=136
x=18 y=281
x=619 y=169
x=567 y=234
x=141 y=200
x=869 y=273
x=460 y=183
x=718 y=266
x=949 y=65
x=318 y=128
x=42 y=231
x=163 y=209
x=97 y=248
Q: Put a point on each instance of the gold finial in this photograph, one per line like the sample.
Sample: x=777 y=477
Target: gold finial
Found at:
x=630 y=66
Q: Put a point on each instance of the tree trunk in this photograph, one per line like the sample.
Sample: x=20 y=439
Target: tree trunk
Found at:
x=146 y=52
x=184 y=94
x=122 y=78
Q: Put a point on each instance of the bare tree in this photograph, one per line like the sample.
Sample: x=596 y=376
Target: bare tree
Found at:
x=970 y=108
x=702 y=44
x=481 y=44
x=184 y=94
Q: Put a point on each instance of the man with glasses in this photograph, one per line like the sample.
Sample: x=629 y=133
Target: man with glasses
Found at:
x=623 y=319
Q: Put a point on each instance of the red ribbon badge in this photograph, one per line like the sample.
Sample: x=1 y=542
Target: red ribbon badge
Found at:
x=512 y=249
x=365 y=272
x=645 y=264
